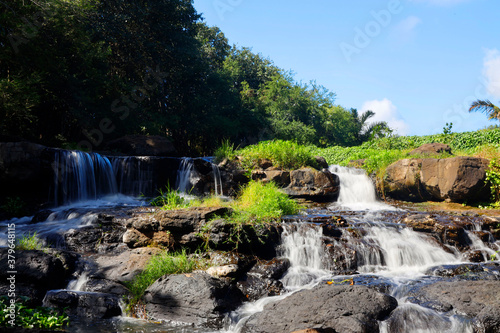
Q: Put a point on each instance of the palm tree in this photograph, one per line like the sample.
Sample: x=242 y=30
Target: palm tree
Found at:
x=366 y=130
x=487 y=107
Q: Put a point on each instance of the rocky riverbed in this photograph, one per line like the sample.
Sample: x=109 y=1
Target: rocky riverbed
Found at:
x=446 y=264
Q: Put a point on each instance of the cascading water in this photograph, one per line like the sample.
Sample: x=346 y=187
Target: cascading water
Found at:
x=82 y=176
x=134 y=175
x=183 y=181
x=356 y=190
x=217 y=180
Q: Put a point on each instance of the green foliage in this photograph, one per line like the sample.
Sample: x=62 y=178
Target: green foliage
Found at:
x=160 y=265
x=30 y=242
x=27 y=317
x=225 y=151
x=283 y=154
x=259 y=202
x=493 y=178
x=447 y=128
x=14 y=207
x=169 y=199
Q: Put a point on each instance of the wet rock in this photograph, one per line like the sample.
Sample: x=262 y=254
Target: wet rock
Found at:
x=84 y=304
x=36 y=272
x=431 y=149
x=334 y=307
x=263 y=279
x=313 y=184
x=321 y=162
x=195 y=298
x=471 y=271
x=474 y=299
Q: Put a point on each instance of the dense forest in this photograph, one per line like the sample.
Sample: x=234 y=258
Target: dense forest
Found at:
x=88 y=71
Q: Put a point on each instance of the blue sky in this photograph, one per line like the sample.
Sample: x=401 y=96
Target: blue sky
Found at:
x=417 y=63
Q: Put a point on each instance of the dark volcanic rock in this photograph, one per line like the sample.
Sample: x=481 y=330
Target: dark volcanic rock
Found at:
x=195 y=298
x=263 y=279
x=337 y=307
x=36 y=272
x=84 y=304
x=475 y=299
x=313 y=184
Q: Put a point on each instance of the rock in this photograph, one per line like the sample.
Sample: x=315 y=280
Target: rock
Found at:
x=134 y=239
x=431 y=149
x=321 y=162
x=279 y=177
x=142 y=145
x=313 y=184
x=456 y=179
x=25 y=165
x=195 y=298
x=223 y=271
x=475 y=299
x=126 y=266
x=337 y=308
x=263 y=279
x=36 y=272
x=85 y=305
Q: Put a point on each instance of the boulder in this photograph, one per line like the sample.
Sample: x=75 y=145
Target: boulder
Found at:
x=36 y=272
x=474 y=299
x=312 y=184
x=264 y=279
x=431 y=149
x=142 y=145
x=195 y=298
x=337 y=308
x=86 y=305
x=456 y=179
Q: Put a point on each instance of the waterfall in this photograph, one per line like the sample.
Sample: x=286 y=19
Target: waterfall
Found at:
x=183 y=181
x=217 y=180
x=134 y=175
x=302 y=244
x=82 y=176
x=356 y=190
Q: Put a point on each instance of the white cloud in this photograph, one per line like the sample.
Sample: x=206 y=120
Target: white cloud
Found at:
x=405 y=30
x=441 y=2
x=385 y=110
x=491 y=71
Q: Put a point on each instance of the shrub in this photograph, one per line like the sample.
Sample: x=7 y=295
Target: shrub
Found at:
x=283 y=154
x=226 y=150
x=14 y=207
x=28 y=317
x=262 y=202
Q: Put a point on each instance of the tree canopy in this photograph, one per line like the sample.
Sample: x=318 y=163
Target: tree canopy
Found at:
x=79 y=73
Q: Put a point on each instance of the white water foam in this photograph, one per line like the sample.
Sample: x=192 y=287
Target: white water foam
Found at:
x=356 y=190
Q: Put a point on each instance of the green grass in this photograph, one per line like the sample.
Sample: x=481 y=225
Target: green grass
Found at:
x=261 y=202
x=170 y=199
x=225 y=151
x=30 y=242
x=31 y=317
x=283 y=154
x=158 y=266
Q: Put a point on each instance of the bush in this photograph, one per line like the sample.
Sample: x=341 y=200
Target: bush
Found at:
x=27 y=317
x=263 y=202
x=283 y=154
x=14 y=207
x=225 y=151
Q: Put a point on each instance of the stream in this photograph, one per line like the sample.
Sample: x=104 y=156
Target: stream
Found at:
x=390 y=255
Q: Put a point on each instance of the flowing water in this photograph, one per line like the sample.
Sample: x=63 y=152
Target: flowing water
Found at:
x=388 y=251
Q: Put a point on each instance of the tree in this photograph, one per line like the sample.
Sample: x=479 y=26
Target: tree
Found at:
x=487 y=107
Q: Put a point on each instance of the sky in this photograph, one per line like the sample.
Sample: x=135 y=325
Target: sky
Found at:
x=418 y=64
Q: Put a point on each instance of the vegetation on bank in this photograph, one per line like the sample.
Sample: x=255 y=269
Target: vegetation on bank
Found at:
x=30 y=317
x=160 y=265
